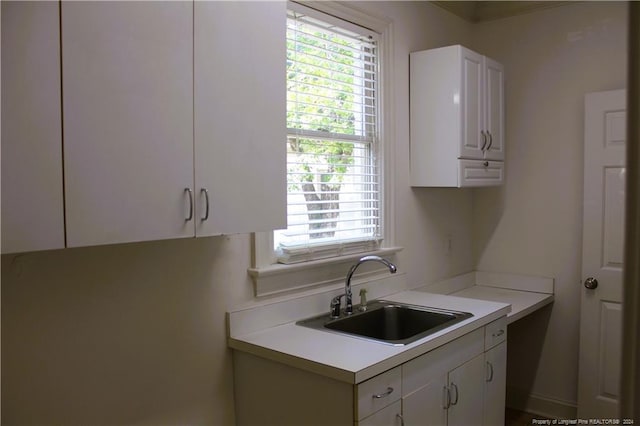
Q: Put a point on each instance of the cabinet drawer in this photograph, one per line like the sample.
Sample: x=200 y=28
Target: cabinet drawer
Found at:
x=495 y=333
x=378 y=392
x=480 y=173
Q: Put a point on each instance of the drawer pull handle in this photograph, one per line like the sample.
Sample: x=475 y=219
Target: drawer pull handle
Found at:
x=484 y=140
x=498 y=333
x=399 y=416
x=382 y=395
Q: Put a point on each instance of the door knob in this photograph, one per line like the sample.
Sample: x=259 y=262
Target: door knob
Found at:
x=591 y=283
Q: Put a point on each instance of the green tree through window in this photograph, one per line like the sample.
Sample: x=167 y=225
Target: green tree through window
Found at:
x=331 y=121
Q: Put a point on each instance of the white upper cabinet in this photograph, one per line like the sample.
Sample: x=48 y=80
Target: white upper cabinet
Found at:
x=456 y=118
x=128 y=120
x=174 y=119
x=240 y=114
x=32 y=194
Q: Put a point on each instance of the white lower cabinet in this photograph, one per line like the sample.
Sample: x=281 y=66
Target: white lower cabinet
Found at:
x=495 y=385
x=445 y=386
x=459 y=383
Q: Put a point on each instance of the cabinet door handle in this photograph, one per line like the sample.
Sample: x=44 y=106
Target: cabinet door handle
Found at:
x=484 y=140
x=399 y=416
x=490 y=371
x=446 y=398
x=206 y=197
x=190 y=192
x=455 y=400
x=382 y=395
x=490 y=140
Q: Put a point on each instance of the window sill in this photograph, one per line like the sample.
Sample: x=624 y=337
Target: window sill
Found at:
x=279 y=278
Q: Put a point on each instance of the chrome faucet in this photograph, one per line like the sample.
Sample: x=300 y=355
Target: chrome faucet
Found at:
x=348 y=310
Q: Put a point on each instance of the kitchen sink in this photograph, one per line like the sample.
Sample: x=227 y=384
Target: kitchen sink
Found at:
x=389 y=322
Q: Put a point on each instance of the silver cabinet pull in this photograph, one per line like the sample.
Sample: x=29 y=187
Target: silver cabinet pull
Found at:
x=206 y=197
x=190 y=192
x=399 y=416
x=490 y=371
x=454 y=401
x=382 y=395
x=490 y=140
x=498 y=333
x=484 y=140
x=446 y=398
x=591 y=283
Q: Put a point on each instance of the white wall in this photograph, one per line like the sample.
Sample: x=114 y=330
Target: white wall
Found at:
x=533 y=225
x=136 y=333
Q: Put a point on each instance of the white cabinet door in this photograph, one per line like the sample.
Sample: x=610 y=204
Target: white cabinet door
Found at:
x=427 y=405
x=389 y=416
x=32 y=200
x=466 y=385
x=495 y=385
x=494 y=109
x=240 y=135
x=128 y=120
x=471 y=98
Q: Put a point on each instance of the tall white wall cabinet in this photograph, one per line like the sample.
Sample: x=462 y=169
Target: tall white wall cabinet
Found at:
x=456 y=118
x=32 y=193
x=169 y=128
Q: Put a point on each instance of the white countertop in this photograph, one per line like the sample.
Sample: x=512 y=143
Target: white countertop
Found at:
x=522 y=302
x=354 y=360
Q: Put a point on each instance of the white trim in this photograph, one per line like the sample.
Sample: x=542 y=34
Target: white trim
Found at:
x=349 y=13
x=271 y=278
x=278 y=278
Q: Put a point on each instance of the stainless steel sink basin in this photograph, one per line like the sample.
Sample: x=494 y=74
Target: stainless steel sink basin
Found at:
x=389 y=322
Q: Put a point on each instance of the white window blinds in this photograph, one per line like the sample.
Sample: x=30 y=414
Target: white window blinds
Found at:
x=333 y=173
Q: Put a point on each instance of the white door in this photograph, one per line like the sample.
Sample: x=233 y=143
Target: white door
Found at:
x=472 y=104
x=602 y=255
x=427 y=405
x=32 y=203
x=466 y=385
x=240 y=116
x=128 y=120
x=494 y=109
x=495 y=385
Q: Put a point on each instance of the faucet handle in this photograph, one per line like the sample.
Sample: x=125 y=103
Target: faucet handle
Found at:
x=335 y=306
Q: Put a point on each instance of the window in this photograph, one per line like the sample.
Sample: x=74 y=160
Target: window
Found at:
x=341 y=125
x=333 y=139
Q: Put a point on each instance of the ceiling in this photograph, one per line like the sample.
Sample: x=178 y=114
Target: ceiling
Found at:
x=479 y=11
